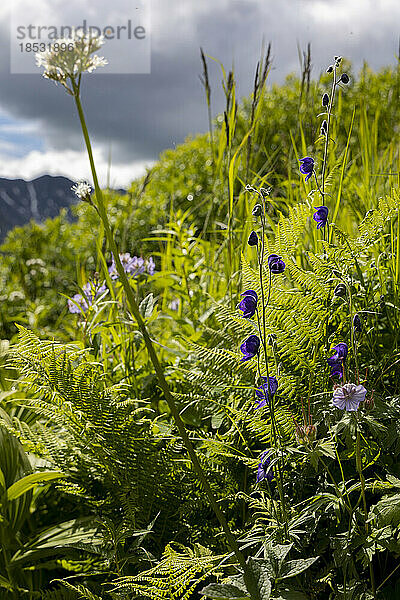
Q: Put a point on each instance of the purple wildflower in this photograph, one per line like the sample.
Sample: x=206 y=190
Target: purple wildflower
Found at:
x=265 y=470
x=357 y=323
x=133 y=266
x=321 y=216
x=249 y=304
x=250 y=347
x=262 y=391
x=81 y=302
x=276 y=264
x=338 y=359
x=253 y=239
x=307 y=166
x=348 y=396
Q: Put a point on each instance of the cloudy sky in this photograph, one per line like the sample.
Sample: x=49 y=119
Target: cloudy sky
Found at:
x=133 y=117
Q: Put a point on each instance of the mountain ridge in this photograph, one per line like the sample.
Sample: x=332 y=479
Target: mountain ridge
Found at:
x=38 y=199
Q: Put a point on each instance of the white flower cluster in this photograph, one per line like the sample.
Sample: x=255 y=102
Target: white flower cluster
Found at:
x=82 y=189
x=68 y=58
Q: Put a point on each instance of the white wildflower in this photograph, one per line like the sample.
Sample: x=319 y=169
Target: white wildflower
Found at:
x=82 y=189
x=348 y=396
x=67 y=58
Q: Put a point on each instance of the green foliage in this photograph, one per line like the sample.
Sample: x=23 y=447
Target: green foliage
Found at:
x=79 y=392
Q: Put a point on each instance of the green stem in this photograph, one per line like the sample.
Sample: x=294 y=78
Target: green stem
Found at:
x=263 y=335
x=362 y=481
x=248 y=576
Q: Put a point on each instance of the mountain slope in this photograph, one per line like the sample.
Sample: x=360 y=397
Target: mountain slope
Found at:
x=21 y=201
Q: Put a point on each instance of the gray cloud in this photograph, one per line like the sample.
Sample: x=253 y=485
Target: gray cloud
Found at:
x=140 y=115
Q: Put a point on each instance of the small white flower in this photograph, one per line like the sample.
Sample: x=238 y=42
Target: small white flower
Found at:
x=348 y=396
x=82 y=189
x=70 y=57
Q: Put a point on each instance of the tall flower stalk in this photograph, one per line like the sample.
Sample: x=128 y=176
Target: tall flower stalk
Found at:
x=307 y=167
x=66 y=67
x=275 y=265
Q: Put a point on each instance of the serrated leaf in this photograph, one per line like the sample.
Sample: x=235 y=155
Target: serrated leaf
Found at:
x=223 y=591
x=275 y=557
x=295 y=567
x=260 y=571
x=387 y=510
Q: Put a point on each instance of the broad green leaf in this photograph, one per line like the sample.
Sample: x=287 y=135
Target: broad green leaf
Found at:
x=64 y=537
x=2 y=480
x=261 y=575
x=25 y=484
x=275 y=556
x=223 y=591
x=387 y=510
x=295 y=567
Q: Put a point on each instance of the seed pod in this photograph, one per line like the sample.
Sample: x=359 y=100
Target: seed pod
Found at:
x=369 y=403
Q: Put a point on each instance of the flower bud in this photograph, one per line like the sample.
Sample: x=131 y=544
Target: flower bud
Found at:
x=340 y=290
x=345 y=78
x=253 y=239
x=329 y=69
x=324 y=128
x=357 y=324
x=338 y=60
x=256 y=212
x=265 y=191
x=325 y=100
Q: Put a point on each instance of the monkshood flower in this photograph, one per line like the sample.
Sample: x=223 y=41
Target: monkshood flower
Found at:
x=253 y=239
x=82 y=189
x=348 y=396
x=249 y=303
x=265 y=470
x=250 y=347
x=338 y=359
x=276 y=264
x=307 y=166
x=320 y=216
x=81 y=302
x=357 y=324
x=262 y=391
x=69 y=57
x=132 y=265
x=324 y=127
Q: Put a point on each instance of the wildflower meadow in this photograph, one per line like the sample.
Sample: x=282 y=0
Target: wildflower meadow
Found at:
x=200 y=379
